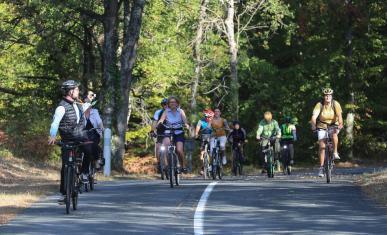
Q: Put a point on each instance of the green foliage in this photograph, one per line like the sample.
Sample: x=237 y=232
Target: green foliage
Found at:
x=298 y=48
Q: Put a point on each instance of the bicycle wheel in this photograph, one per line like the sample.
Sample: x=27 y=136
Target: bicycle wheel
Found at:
x=205 y=165
x=220 y=171
x=214 y=167
x=177 y=175
x=327 y=168
x=161 y=166
x=171 y=169
x=91 y=179
x=69 y=188
x=74 y=195
x=235 y=163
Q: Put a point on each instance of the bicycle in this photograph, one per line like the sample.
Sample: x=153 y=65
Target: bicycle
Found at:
x=269 y=156
x=172 y=159
x=329 y=159
x=285 y=157
x=217 y=166
x=206 y=155
x=72 y=171
x=237 y=163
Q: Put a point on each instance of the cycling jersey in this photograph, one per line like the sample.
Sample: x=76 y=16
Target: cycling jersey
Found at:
x=175 y=120
x=205 y=127
x=268 y=130
x=327 y=114
x=288 y=132
x=218 y=126
x=237 y=136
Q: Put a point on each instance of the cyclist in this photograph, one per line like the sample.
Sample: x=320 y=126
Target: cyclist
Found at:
x=204 y=127
x=289 y=136
x=219 y=126
x=269 y=128
x=69 y=120
x=175 y=117
x=326 y=113
x=94 y=125
x=159 y=130
x=237 y=137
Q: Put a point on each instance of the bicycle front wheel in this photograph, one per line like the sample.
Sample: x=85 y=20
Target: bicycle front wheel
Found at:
x=69 y=187
x=205 y=165
x=171 y=168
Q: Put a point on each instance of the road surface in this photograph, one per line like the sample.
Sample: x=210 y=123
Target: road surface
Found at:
x=297 y=204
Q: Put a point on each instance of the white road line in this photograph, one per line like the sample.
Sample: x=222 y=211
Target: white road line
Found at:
x=199 y=213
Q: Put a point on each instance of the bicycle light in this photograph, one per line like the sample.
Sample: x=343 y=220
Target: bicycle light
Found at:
x=162 y=148
x=285 y=146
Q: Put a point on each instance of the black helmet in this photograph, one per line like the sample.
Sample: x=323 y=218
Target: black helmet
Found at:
x=69 y=84
x=236 y=122
x=164 y=101
x=288 y=119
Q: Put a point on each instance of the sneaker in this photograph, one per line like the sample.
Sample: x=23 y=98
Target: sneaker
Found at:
x=85 y=179
x=224 y=160
x=336 y=156
x=263 y=171
x=321 y=172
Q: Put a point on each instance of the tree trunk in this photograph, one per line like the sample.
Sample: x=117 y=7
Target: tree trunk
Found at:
x=132 y=26
x=110 y=72
x=197 y=55
x=88 y=56
x=348 y=70
x=233 y=50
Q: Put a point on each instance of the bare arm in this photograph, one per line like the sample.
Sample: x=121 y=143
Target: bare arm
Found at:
x=162 y=119
x=184 y=118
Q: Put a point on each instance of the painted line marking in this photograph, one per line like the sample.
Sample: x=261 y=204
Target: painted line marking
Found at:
x=199 y=213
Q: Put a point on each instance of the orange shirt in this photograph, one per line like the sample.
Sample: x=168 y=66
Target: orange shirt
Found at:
x=218 y=127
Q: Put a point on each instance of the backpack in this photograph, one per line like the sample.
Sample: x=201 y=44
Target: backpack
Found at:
x=322 y=106
x=160 y=114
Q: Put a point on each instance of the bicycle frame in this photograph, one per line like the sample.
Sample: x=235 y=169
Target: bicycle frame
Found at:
x=269 y=156
x=328 y=157
x=172 y=159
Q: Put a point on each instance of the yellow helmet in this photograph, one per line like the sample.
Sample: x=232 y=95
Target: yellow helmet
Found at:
x=327 y=91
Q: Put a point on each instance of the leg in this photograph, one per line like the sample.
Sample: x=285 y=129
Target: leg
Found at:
x=335 y=138
x=180 y=152
x=61 y=187
x=291 y=151
x=223 y=140
x=321 y=152
x=88 y=155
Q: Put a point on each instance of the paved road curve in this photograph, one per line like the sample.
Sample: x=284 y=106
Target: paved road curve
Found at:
x=249 y=205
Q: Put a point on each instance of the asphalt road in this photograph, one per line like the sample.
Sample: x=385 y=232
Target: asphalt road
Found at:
x=299 y=204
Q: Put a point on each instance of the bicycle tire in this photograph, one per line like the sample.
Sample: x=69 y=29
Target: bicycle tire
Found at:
x=326 y=166
x=91 y=181
x=205 y=165
x=69 y=184
x=75 y=202
x=161 y=166
x=213 y=167
x=220 y=171
x=177 y=175
x=170 y=169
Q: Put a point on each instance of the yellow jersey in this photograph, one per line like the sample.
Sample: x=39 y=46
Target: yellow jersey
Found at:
x=327 y=115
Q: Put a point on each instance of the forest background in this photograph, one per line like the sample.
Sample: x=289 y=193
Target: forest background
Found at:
x=245 y=56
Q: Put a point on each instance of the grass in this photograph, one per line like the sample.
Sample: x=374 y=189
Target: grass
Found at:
x=22 y=183
x=375 y=186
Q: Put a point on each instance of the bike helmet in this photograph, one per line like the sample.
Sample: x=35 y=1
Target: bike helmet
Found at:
x=288 y=119
x=327 y=91
x=69 y=85
x=208 y=113
x=164 y=101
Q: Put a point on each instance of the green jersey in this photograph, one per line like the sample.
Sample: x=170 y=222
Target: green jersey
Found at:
x=268 y=130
